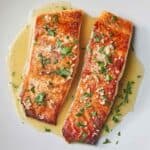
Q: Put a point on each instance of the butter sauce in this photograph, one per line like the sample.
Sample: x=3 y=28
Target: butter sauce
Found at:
x=19 y=54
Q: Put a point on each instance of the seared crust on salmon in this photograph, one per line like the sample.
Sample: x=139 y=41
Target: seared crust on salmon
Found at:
x=104 y=65
x=53 y=62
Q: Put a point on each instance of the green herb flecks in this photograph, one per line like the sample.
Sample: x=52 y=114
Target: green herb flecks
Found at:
x=86 y=94
x=88 y=104
x=108 y=78
x=47 y=130
x=94 y=114
x=139 y=76
x=102 y=67
x=114 y=19
x=64 y=8
x=58 y=43
x=32 y=89
x=13 y=73
x=101 y=49
x=97 y=38
x=80 y=113
x=15 y=86
x=80 y=124
x=107 y=141
x=76 y=41
x=119 y=133
x=39 y=99
x=108 y=58
x=106 y=128
x=51 y=32
x=128 y=90
x=83 y=136
x=65 y=50
x=64 y=72
x=116 y=117
x=123 y=100
x=43 y=60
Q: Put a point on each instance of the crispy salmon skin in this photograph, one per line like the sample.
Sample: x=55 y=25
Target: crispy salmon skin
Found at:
x=104 y=65
x=53 y=62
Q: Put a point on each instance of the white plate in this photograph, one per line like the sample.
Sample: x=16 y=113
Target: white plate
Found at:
x=135 y=127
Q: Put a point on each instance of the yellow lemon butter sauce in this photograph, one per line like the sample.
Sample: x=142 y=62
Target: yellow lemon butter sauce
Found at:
x=18 y=57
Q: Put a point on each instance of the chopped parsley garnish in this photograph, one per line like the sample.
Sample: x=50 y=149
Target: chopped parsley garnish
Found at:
x=80 y=113
x=102 y=67
x=116 y=117
x=80 y=124
x=119 y=133
x=97 y=38
x=39 y=99
x=104 y=97
x=51 y=32
x=106 y=128
x=65 y=50
x=88 y=104
x=13 y=73
x=21 y=77
x=86 y=94
x=14 y=85
x=108 y=77
x=64 y=72
x=124 y=98
x=108 y=58
x=32 y=89
x=64 y=8
x=107 y=141
x=59 y=43
x=114 y=18
x=47 y=130
x=94 y=114
x=128 y=90
x=117 y=142
x=83 y=136
x=43 y=60
x=76 y=41
x=101 y=49
x=55 y=61
x=139 y=76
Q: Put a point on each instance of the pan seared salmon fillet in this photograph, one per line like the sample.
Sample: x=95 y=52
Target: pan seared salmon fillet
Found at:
x=104 y=65
x=53 y=62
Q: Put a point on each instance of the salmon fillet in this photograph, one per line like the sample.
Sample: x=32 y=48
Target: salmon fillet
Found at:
x=53 y=61
x=104 y=65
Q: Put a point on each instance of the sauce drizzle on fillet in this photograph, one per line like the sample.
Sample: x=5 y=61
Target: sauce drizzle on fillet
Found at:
x=53 y=62
x=104 y=65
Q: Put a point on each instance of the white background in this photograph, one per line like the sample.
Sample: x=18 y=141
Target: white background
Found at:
x=135 y=128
